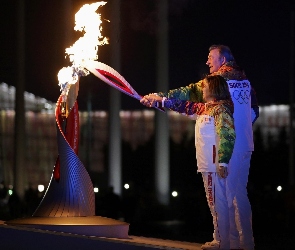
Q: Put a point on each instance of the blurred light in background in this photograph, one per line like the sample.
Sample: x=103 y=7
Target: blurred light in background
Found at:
x=279 y=188
x=40 y=188
x=174 y=194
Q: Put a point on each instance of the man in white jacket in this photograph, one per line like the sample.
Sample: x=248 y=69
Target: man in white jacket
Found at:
x=221 y=62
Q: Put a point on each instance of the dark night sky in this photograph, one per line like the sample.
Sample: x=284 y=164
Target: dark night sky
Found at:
x=258 y=32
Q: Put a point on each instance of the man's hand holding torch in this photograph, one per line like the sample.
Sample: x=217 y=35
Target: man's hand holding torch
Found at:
x=152 y=100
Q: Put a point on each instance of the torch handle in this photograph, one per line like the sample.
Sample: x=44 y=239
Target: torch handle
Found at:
x=113 y=78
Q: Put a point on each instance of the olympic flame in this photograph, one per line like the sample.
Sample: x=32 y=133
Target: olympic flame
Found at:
x=87 y=20
x=83 y=55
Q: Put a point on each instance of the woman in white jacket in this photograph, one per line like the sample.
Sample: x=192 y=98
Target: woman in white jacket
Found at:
x=215 y=138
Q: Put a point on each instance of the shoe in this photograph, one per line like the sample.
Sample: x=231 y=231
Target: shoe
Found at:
x=214 y=245
x=211 y=245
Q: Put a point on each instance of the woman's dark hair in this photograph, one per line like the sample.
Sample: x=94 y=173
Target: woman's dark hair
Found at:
x=218 y=87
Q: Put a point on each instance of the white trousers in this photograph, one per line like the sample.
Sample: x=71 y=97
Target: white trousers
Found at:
x=215 y=189
x=229 y=204
x=237 y=195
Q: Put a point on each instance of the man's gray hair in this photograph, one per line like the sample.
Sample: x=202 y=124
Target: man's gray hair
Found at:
x=223 y=51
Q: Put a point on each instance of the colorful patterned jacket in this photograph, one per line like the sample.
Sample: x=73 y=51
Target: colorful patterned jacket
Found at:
x=243 y=97
x=215 y=133
x=193 y=92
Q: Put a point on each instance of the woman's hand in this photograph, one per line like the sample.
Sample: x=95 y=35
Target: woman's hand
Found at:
x=222 y=171
x=150 y=100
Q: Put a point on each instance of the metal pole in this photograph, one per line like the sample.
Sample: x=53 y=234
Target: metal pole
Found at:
x=291 y=93
x=19 y=127
x=115 y=165
x=162 y=127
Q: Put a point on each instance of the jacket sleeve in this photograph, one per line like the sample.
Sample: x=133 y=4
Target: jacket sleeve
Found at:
x=254 y=106
x=192 y=92
x=187 y=108
x=224 y=124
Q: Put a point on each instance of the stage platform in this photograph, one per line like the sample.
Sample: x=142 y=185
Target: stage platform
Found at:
x=22 y=238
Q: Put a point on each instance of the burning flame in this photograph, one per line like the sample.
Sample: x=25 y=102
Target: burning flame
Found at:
x=85 y=48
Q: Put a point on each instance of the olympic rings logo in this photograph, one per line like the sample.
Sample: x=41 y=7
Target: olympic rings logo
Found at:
x=242 y=96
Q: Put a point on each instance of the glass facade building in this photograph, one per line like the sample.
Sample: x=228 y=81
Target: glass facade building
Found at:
x=137 y=129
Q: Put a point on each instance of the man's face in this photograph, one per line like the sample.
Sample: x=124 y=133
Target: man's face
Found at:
x=215 y=61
